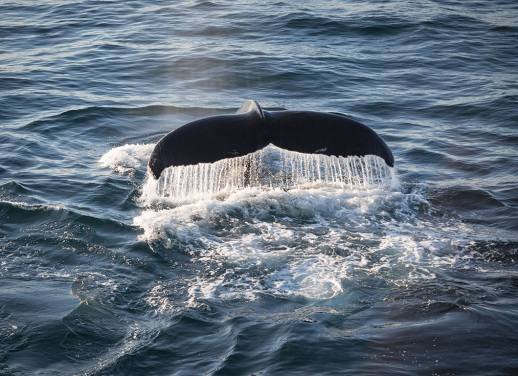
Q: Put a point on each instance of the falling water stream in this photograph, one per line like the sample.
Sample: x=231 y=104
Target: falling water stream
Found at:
x=270 y=167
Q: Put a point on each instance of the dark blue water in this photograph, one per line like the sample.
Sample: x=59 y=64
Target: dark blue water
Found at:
x=418 y=279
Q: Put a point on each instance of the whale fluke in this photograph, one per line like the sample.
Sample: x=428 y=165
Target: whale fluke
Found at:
x=252 y=128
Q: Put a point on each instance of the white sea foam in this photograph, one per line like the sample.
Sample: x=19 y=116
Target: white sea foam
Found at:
x=127 y=158
x=287 y=231
x=305 y=242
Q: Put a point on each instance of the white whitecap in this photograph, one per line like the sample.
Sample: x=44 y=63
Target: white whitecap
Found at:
x=127 y=158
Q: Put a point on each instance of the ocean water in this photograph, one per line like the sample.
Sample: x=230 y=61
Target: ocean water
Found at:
x=104 y=272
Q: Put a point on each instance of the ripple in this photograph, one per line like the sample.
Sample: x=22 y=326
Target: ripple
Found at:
x=309 y=281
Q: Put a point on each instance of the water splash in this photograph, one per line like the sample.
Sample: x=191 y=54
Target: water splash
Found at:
x=126 y=159
x=313 y=243
x=270 y=167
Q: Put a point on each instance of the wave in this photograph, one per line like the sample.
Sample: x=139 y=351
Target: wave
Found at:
x=127 y=158
x=322 y=25
x=309 y=241
x=78 y=116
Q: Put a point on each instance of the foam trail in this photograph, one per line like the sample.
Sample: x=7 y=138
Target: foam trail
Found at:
x=270 y=167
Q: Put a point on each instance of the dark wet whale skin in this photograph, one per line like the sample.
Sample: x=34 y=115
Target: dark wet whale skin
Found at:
x=218 y=137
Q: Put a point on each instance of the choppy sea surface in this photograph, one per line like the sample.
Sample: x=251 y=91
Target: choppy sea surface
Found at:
x=100 y=277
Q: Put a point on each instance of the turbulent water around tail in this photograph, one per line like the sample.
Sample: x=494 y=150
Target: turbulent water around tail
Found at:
x=300 y=225
x=276 y=263
x=225 y=214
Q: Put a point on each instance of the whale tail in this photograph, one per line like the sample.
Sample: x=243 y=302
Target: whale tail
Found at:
x=251 y=128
